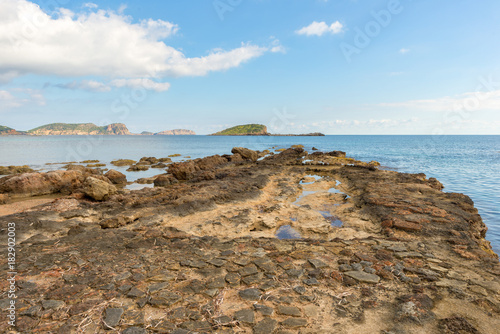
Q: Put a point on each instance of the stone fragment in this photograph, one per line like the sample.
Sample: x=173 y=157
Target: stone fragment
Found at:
x=263 y=309
x=249 y=270
x=135 y=330
x=52 y=304
x=451 y=283
x=245 y=316
x=294 y=322
x=299 y=289
x=407 y=226
x=166 y=298
x=250 y=294
x=112 y=317
x=363 y=276
x=233 y=278
x=311 y=281
x=318 y=264
x=217 y=262
x=265 y=326
x=289 y=310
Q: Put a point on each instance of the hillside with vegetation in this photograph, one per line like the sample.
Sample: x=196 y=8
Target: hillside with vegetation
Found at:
x=80 y=129
x=244 y=130
x=5 y=130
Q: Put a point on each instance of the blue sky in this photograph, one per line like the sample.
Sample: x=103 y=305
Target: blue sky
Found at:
x=339 y=67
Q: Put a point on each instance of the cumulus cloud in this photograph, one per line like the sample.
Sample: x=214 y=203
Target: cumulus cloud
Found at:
x=99 y=42
x=19 y=97
x=320 y=28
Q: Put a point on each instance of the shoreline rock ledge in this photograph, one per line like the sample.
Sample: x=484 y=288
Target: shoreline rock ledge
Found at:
x=288 y=242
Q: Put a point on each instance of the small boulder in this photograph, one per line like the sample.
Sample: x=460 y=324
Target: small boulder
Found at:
x=116 y=177
x=149 y=160
x=35 y=184
x=337 y=154
x=164 y=180
x=183 y=170
x=98 y=189
x=123 y=162
x=246 y=153
x=138 y=168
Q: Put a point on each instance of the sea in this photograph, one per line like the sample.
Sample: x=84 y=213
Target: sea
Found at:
x=463 y=164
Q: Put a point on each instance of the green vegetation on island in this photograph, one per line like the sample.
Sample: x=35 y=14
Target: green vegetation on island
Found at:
x=244 y=130
x=5 y=130
x=80 y=129
x=256 y=130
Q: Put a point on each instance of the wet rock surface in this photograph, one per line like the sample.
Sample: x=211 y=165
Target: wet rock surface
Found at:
x=199 y=253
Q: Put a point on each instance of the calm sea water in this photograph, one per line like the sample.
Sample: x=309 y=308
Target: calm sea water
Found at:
x=465 y=164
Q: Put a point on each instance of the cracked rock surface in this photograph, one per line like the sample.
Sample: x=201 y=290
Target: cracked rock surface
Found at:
x=372 y=251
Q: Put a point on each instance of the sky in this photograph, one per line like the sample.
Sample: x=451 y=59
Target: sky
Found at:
x=297 y=66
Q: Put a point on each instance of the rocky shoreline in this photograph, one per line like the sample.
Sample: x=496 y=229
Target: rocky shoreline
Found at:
x=252 y=242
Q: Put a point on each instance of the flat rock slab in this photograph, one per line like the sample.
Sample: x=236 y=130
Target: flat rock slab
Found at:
x=266 y=326
x=250 y=294
x=294 y=322
x=361 y=276
x=113 y=316
x=318 y=264
x=289 y=310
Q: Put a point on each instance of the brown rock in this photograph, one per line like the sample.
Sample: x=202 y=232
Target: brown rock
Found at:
x=210 y=162
x=34 y=184
x=164 y=180
x=407 y=226
x=116 y=177
x=98 y=189
x=245 y=153
x=183 y=170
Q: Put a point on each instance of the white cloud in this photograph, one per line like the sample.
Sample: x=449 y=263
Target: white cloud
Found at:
x=7 y=100
x=470 y=101
x=141 y=83
x=99 y=43
x=19 y=97
x=276 y=46
x=320 y=28
x=404 y=51
x=89 y=5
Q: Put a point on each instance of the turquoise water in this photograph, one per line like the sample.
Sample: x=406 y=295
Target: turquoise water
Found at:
x=465 y=164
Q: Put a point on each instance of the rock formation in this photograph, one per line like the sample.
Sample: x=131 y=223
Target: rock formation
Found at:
x=292 y=243
x=176 y=132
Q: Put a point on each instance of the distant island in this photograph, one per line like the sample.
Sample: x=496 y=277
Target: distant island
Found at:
x=255 y=130
x=120 y=129
x=176 y=132
x=6 y=131
x=244 y=130
x=82 y=129
x=60 y=129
